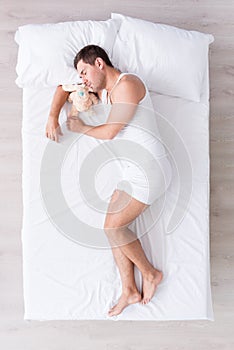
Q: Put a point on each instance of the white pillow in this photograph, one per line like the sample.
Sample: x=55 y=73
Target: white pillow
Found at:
x=171 y=61
x=47 y=51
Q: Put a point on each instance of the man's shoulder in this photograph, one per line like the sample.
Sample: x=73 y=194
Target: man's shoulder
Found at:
x=131 y=78
x=131 y=87
x=130 y=82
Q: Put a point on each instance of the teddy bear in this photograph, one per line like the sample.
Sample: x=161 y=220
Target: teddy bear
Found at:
x=80 y=97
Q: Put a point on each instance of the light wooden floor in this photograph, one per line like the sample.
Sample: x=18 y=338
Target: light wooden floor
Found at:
x=210 y=16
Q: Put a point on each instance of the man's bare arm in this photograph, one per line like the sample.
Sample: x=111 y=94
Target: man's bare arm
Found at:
x=53 y=127
x=125 y=101
x=125 y=98
x=103 y=131
x=59 y=100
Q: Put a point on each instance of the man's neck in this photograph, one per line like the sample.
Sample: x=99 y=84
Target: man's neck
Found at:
x=111 y=78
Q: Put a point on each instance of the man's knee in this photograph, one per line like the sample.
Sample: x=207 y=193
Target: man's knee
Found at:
x=113 y=227
x=118 y=236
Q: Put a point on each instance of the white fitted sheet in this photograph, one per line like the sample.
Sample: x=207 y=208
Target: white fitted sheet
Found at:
x=64 y=280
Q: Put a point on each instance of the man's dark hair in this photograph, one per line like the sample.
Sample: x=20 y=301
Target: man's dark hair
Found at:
x=89 y=54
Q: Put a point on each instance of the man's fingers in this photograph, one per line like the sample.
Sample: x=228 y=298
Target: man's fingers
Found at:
x=51 y=137
x=72 y=117
x=68 y=124
x=60 y=131
x=54 y=135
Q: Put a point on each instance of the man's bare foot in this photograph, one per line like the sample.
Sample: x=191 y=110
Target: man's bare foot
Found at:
x=150 y=284
x=126 y=299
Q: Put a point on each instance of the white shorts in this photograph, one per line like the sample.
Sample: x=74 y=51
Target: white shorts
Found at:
x=146 y=183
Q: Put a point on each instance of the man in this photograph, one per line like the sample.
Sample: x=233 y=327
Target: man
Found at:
x=97 y=72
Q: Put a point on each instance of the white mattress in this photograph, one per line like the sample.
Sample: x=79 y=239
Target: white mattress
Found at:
x=64 y=280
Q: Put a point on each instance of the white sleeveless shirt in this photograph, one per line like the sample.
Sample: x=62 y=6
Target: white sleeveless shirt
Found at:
x=142 y=128
x=146 y=101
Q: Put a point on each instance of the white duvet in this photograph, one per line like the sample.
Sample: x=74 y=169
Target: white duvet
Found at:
x=65 y=280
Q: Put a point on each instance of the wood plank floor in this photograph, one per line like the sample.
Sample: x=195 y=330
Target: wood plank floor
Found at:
x=209 y=16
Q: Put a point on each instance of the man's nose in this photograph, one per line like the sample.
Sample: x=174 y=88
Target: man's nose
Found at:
x=84 y=80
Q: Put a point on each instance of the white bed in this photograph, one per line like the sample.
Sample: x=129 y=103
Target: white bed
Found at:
x=64 y=280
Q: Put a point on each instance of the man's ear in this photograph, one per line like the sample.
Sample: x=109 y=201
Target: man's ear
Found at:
x=99 y=62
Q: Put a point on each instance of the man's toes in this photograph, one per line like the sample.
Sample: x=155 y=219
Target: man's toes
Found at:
x=145 y=301
x=112 y=309
x=114 y=312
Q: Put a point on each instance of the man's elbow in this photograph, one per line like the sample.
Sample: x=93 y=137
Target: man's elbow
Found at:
x=113 y=135
x=114 y=132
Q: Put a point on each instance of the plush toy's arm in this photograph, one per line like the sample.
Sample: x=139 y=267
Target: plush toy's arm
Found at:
x=73 y=112
x=69 y=87
x=93 y=98
x=71 y=97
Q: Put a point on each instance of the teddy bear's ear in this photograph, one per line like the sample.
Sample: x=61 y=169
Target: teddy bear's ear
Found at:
x=69 y=87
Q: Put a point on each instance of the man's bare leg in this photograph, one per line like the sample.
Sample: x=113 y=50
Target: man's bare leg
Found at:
x=131 y=209
x=130 y=293
x=134 y=252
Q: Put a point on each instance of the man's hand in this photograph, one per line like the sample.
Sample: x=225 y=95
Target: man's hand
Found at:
x=53 y=129
x=75 y=124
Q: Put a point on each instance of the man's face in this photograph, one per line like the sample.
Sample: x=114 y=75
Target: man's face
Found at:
x=92 y=76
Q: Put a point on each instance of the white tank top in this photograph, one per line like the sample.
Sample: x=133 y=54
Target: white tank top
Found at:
x=143 y=127
x=146 y=101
